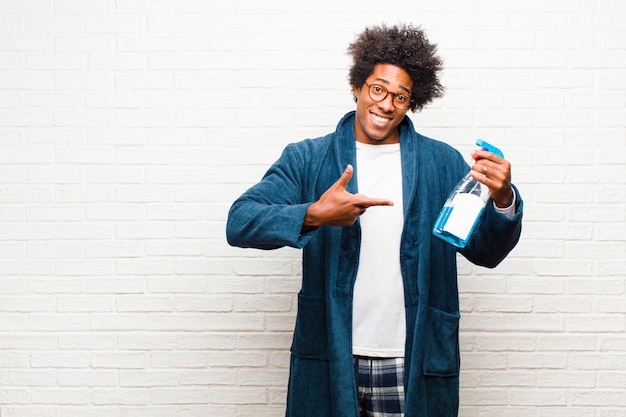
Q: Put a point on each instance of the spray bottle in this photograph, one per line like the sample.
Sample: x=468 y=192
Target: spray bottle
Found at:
x=463 y=208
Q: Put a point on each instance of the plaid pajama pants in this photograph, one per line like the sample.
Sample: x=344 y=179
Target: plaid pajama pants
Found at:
x=380 y=383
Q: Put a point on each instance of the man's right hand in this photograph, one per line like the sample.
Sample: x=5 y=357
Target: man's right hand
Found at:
x=338 y=207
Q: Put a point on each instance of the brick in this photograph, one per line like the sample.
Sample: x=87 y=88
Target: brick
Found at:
x=506 y=379
x=180 y=359
x=59 y=360
x=10 y=250
x=533 y=360
x=502 y=304
x=59 y=322
x=145 y=230
x=598 y=361
x=12 y=360
x=26 y=304
x=27 y=267
x=509 y=343
x=80 y=194
x=68 y=231
x=84 y=267
x=254 y=377
x=485 y=397
x=29 y=411
x=82 y=80
x=606 y=286
x=238 y=395
x=103 y=23
x=88 y=378
x=612 y=380
x=180 y=396
x=207 y=340
x=114 y=249
x=208 y=377
x=596 y=323
x=49 y=23
x=25 y=7
x=126 y=397
x=81 y=304
x=175 y=248
x=143 y=80
x=143 y=304
x=22 y=118
x=145 y=378
x=11 y=99
x=88 y=7
x=112 y=212
x=56 y=285
x=211 y=303
x=561 y=379
x=58 y=61
x=12 y=24
x=21 y=194
x=15 y=396
x=50 y=135
x=563 y=304
x=101 y=411
x=11 y=285
x=117 y=322
x=12 y=322
x=122 y=360
x=542 y=397
x=177 y=285
x=26 y=81
x=141 y=340
x=207 y=322
x=244 y=303
x=608 y=398
x=54 y=213
x=29 y=342
x=144 y=266
x=87 y=341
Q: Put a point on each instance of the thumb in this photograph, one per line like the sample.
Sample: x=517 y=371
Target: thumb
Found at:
x=343 y=181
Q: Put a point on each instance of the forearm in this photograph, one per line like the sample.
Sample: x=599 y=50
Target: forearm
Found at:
x=255 y=225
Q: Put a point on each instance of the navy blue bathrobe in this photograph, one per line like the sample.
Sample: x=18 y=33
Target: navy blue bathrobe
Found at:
x=270 y=214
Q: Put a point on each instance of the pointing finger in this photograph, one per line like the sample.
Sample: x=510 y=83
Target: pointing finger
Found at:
x=343 y=181
x=370 y=202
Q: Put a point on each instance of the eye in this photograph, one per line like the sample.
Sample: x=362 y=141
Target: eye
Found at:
x=378 y=89
x=402 y=98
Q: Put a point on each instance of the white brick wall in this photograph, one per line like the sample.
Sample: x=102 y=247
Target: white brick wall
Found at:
x=127 y=128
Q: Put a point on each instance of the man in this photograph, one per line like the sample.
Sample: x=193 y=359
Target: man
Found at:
x=378 y=313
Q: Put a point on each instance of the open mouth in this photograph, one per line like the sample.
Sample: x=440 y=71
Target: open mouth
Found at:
x=380 y=119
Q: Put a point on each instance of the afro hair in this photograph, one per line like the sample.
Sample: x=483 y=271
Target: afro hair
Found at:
x=403 y=46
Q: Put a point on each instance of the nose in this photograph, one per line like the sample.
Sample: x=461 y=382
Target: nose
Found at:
x=386 y=104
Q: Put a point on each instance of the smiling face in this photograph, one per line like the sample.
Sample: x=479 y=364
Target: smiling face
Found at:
x=377 y=121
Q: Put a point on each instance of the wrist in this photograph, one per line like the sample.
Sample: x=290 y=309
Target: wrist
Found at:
x=310 y=218
x=506 y=202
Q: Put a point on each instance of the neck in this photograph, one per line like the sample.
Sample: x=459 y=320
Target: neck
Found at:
x=388 y=140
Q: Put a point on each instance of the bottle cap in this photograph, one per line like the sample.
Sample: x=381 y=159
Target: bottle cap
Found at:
x=489 y=147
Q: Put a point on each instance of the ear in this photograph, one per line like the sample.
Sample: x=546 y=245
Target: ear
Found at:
x=356 y=91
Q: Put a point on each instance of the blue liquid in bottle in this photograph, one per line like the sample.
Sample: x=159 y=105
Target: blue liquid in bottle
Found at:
x=461 y=211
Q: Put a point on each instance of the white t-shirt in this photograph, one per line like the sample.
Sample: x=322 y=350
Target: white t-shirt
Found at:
x=379 y=326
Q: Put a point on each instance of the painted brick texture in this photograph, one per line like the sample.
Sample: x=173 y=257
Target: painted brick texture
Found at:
x=127 y=127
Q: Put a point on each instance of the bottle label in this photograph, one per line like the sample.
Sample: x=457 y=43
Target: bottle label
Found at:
x=465 y=210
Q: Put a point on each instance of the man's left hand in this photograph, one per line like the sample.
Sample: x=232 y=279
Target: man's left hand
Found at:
x=495 y=173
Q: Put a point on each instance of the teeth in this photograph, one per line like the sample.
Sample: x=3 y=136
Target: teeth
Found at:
x=381 y=119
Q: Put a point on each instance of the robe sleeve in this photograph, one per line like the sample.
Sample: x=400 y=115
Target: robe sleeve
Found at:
x=269 y=215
